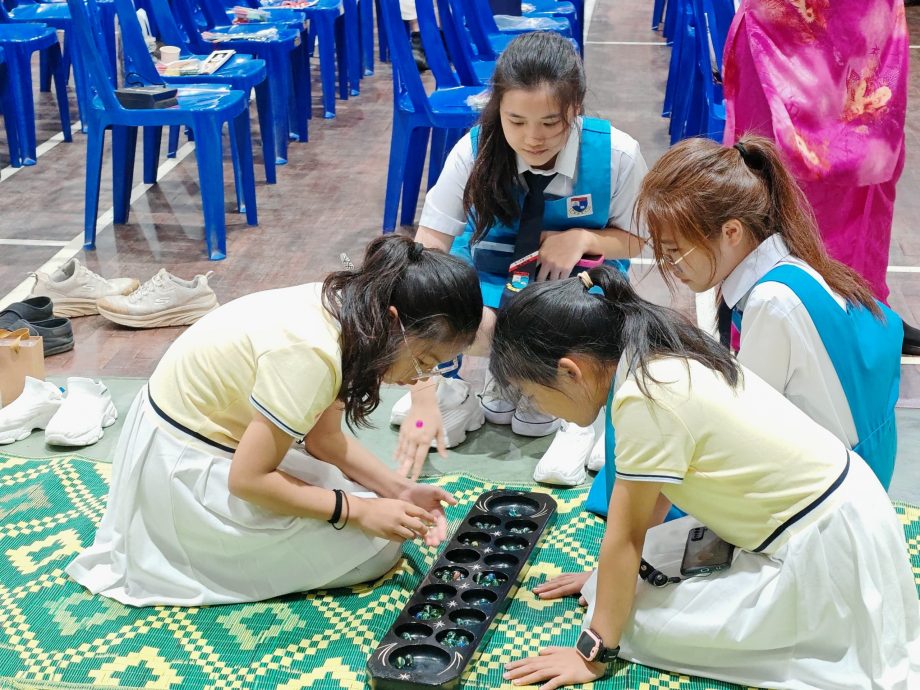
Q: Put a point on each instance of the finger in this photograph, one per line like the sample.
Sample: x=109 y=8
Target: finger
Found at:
x=541 y=273
x=421 y=452
x=556 y=682
x=417 y=526
x=521 y=668
x=535 y=676
x=440 y=526
x=550 y=650
x=419 y=512
x=444 y=496
x=400 y=533
x=559 y=579
x=442 y=443
x=582 y=601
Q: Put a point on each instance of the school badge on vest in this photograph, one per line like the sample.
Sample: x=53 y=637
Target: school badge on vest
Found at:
x=578 y=206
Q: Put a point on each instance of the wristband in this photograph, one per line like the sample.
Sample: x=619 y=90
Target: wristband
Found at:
x=337 y=512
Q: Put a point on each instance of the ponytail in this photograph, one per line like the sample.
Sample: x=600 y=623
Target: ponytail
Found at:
x=436 y=296
x=699 y=185
x=531 y=61
x=552 y=320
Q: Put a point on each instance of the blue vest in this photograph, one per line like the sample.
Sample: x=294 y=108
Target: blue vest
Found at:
x=866 y=355
x=587 y=207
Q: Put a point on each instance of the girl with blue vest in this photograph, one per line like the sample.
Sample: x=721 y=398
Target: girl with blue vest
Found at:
x=532 y=191
x=818 y=590
x=809 y=325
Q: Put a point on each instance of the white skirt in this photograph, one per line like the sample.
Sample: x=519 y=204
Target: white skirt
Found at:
x=174 y=534
x=835 y=606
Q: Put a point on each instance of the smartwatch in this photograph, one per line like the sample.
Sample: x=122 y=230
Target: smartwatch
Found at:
x=591 y=647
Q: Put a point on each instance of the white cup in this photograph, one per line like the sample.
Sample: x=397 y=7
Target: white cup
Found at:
x=168 y=54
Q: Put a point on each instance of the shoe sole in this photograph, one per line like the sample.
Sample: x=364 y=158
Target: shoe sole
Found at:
x=58 y=349
x=8 y=437
x=532 y=430
x=496 y=417
x=79 y=306
x=177 y=316
x=475 y=423
x=91 y=437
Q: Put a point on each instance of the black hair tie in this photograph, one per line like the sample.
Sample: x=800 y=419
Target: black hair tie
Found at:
x=415 y=251
x=751 y=159
x=743 y=151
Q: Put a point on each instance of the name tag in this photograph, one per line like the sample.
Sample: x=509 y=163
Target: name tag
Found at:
x=578 y=206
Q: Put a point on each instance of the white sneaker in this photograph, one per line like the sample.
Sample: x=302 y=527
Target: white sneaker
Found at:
x=598 y=455
x=74 y=289
x=528 y=421
x=564 y=461
x=460 y=411
x=33 y=409
x=495 y=403
x=164 y=300
x=87 y=409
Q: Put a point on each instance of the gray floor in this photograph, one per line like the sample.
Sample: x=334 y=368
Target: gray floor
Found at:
x=492 y=453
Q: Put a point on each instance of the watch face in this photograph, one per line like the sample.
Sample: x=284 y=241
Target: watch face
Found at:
x=588 y=645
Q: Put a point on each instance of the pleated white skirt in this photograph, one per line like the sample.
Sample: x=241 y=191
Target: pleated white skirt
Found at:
x=833 y=606
x=174 y=534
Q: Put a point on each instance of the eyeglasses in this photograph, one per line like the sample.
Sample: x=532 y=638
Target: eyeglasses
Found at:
x=420 y=374
x=671 y=263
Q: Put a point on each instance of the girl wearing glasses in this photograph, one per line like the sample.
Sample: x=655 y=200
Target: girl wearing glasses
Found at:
x=209 y=502
x=818 y=592
x=734 y=218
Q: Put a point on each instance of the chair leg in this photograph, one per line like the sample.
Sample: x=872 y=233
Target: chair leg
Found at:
x=300 y=85
x=124 y=147
x=326 y=31
x=366 y=10
x=209 y=152
x=44 y=72
x=381 y=34
x=80 y=85
x=10 y=124
x=396 y=170
x=341 y=57
x=172 y=145
x=266 y=129
x=152 y=138
x=352 y=31
x=412 y=179
x=58 y=69
x=20 y=73
x=245 y=176
x=95 y=142
x=279 y=86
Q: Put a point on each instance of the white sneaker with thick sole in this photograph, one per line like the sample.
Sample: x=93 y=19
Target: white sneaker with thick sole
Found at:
x=564 y=461
x=86 y=411
x=598 y=455
x=164 y=300
x=460 y=411
x=528 y=421
x=33 y=409
x=74 y=289
x=495 y=403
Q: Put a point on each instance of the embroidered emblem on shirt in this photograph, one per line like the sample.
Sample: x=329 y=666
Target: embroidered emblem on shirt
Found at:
x=578 y=206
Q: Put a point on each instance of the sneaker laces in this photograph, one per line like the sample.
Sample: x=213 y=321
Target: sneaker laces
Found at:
x=154 y=283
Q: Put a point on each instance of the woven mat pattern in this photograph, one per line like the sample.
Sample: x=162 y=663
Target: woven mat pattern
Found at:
x=53 y=634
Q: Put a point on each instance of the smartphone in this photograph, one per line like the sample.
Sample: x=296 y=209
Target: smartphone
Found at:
x=705 y=553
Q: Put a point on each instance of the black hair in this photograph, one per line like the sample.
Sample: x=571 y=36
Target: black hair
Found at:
x=529 y=62
x=437 y=297
x=548 y=321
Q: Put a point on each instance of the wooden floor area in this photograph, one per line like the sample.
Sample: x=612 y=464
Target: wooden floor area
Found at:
x=329 y=199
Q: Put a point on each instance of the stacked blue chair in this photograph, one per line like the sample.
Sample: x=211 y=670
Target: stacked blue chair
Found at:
x=19 y=41
x=471 y=70
x=204 y=109
x=7 y=109
x=488 y=39
x=285 y=60
x=241 y=73
x=533 y=11
x=366 y=17
x=416 y=113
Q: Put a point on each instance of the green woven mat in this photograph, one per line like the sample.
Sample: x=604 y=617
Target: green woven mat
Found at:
x=53 y=634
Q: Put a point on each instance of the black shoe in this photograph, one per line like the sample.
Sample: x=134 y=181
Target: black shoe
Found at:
x=31 y=309
x=56 y=333
x=911 y=344
x=418 y=51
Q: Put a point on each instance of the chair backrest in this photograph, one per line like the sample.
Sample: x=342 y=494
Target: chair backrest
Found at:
x=184 y=12
x=167 y=26
x=406 y=79
x=466 y=18
x=138 y=65
x=458 y=45
x=215 y=14
x=93 y=48
x=435 y=55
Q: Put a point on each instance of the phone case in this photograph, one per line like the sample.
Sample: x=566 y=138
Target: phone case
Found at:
x=705 y=553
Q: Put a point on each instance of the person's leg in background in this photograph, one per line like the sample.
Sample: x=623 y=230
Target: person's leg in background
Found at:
x=407 y=11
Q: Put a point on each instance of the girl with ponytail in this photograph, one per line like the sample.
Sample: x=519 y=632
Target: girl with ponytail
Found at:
x=817 y=544
x=211 y=504
x=734 y=218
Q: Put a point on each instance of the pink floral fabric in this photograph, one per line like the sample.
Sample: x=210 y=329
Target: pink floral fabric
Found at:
x=827 y=81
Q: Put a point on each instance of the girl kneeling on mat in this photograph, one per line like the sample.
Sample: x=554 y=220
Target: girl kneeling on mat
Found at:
x=819 y=592
x=733 y=217
x=209 y=504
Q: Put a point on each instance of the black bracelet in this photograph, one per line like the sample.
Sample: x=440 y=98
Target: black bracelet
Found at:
x=347 y=513
x=337 y=513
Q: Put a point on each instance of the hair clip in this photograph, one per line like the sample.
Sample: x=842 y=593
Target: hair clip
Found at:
x=586 y=280
x=596 y=290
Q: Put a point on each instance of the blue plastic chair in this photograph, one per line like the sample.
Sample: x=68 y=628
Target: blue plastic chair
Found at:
x=19 y=41
x=683 y=53
x=713 y=18
x=366 y=17
x=471 y=70
x=204 y=109
x=241 y=73
x=489 y=40
x=658 y=14
x=415 y=114
x=7 y=109
x=286 y=63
